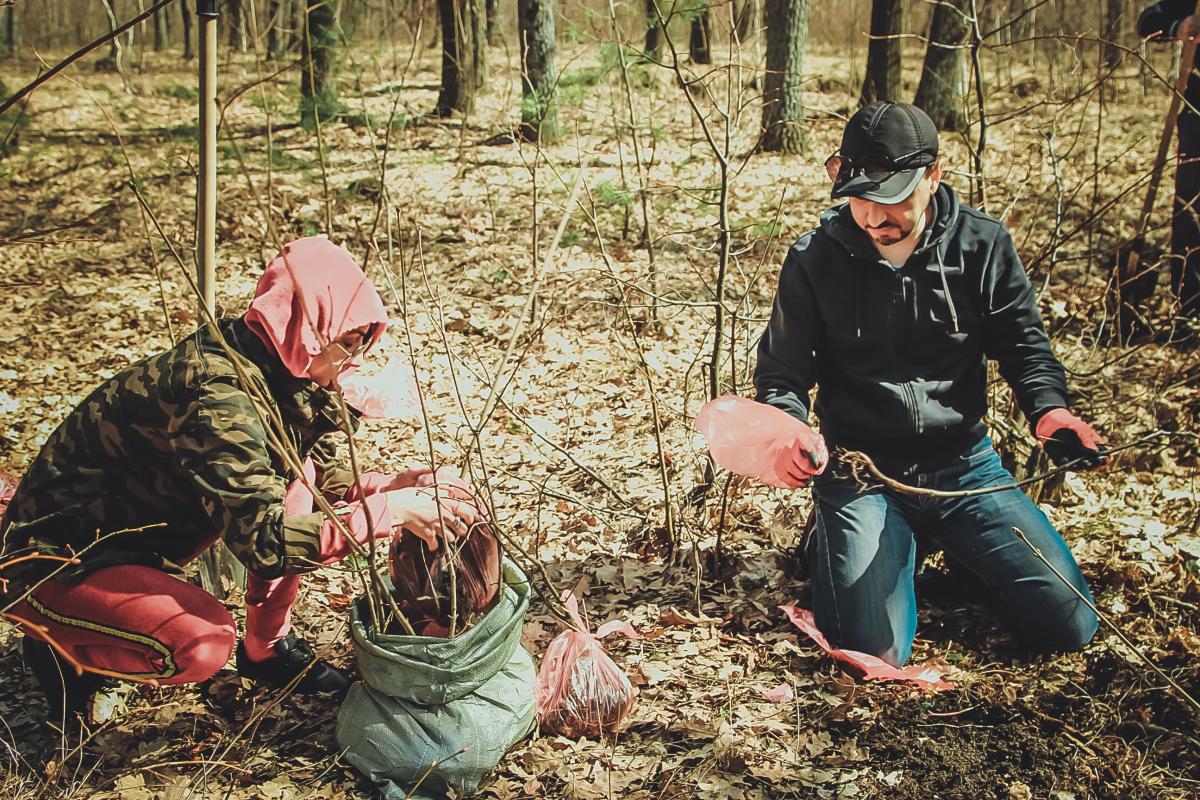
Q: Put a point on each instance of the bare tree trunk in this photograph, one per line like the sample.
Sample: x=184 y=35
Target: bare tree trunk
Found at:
x=746 y=20
x=10 y=30
x=700 y=42
x=653 y=48
x=318 y=89
x=883 y=53
x=944 y=77
x=235 y=18
x=783 y=106
x=1113 y=17
x=539 y=115
x=274 y=11
x=185 y=15
x=464 y=63
x=493 y=27
x=160 y=30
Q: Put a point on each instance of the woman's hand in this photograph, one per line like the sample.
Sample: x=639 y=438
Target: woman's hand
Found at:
x=417 y=510
x=423 y=476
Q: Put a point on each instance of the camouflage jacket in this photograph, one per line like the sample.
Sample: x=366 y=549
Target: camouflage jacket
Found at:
x=169 y=455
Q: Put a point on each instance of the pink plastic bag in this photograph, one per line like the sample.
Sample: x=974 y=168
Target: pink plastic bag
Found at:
x=579 y=690
x=386 y=394
x=865 y=666
x=752 y=439
x=8 y=487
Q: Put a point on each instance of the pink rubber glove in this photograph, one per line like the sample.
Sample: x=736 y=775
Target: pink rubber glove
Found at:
x=806 y=458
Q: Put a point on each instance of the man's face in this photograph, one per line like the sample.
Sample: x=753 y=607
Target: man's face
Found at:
x=892 y=224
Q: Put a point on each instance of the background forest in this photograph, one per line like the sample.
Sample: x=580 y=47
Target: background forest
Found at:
x=576 y=212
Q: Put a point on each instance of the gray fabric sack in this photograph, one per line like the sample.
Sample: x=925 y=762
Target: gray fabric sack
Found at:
x=423 y=699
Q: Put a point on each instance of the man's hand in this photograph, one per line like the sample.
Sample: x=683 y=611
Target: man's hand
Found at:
x=1189 y=29
x=426 y=517
x=1066 y=438
x=806 y=457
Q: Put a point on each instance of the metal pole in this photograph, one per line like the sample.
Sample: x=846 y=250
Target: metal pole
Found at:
x=216 y=561
x=206 y=190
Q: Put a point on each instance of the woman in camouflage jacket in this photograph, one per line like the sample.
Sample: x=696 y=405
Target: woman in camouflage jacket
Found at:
x=186 y=448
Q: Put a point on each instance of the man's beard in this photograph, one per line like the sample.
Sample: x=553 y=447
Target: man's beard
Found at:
x=889 y=234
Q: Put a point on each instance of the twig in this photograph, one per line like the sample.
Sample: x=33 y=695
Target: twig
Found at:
x=1195 y=704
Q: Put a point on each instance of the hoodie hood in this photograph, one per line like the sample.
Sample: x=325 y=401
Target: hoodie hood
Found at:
x=311 y=293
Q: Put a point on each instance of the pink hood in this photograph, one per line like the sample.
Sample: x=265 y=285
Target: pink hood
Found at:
x=310 y=294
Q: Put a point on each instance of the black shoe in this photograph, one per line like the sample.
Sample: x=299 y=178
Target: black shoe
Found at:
x=293 y=657
x=67 y=694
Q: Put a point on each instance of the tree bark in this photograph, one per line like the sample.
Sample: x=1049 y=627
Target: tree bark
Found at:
x=185 y=15
x=160 y=30
x=783 y=106
x=653 y=48
x=318 y=89
x=235 y=19
x=883 y=53
x=944 y=76
x=1114 y=12
x=539 y=115
x=699 y=44
x=493 y=27
x=10 y=30
x=274 y=10
x=464 y=63
x=746 y=20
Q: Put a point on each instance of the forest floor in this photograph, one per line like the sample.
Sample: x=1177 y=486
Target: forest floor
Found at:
x=592 y=439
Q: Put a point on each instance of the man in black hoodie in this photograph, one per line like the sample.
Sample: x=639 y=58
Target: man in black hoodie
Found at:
x=892 y=308
x=1172 y=20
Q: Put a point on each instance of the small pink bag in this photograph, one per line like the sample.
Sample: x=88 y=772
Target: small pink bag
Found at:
x=580 y=691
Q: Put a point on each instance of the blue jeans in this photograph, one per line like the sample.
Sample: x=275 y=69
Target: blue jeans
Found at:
x=862 y=555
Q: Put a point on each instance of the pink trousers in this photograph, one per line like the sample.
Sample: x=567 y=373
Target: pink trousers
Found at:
x=149 y=626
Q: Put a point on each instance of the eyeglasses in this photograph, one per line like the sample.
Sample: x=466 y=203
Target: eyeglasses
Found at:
x=347 y=354
x=840 y=168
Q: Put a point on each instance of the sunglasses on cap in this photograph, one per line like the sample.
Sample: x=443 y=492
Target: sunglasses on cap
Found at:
x=839 y=168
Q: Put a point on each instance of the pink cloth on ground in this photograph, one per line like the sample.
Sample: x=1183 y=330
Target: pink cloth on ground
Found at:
x=310 y=294
x=868 y=667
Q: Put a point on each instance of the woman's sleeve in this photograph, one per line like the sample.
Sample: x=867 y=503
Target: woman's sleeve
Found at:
x=222 y=448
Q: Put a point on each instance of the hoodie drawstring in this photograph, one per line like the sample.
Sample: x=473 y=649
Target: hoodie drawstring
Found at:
x=946 y=288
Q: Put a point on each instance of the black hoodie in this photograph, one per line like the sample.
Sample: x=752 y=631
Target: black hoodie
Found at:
x=900 y=355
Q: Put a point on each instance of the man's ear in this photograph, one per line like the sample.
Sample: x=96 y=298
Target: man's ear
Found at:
x=935 y=172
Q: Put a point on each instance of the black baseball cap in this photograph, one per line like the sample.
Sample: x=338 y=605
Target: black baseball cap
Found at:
x=885 y=149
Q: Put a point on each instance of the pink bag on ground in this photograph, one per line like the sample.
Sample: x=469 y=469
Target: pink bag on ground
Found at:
x=754 y=439
x=867 y=667
x=579 y=690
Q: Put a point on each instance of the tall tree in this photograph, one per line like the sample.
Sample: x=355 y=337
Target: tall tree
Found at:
x=274 y=11
x=235 y=19
x=783 y=107
x=653 y=48
x=944 y=77
x=464 y=60
x=160 y=30
x=883 y=52
x=493 y=26
x=185 y=15
x=745 y=20
x=10 y=30
x=1114 y=11
x=539 y=116
x=700 y=41
x=318 y=89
